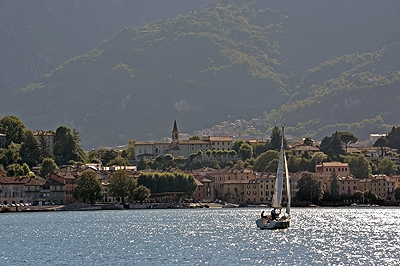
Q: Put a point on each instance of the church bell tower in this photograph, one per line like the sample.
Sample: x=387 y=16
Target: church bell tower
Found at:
x=175 y=134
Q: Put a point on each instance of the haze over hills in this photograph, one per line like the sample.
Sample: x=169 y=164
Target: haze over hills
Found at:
x=316 y=66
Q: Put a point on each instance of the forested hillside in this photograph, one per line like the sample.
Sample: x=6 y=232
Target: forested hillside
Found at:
x=37 y=36
x=316 y=66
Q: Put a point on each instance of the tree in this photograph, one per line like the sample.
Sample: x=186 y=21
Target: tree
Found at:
x=47 y=167
x=119 y=161
x=65 y=146
x=335 y=187
x=236 y=145
x=130 y=150
x=13 y=128
x=381 y=142
x=275 y=139
x=332 y=146
x=195 y=137
x=246 y=151
x=29 y=151
x=359 y=166
x=387 y=167
x=141 y=193
x=393 y=138
x=88 y=188
x=310 y=188
x=239 y=165
x=262 y=161
x=319 y=157
x=308 y=142
x=45 y=151
x=347 y=138
x=17 y=169
x=11 y=155
x=121 y=185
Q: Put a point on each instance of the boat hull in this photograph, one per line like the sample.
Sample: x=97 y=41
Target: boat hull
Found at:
x=273 y=224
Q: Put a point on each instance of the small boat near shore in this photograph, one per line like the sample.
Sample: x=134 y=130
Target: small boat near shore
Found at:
x=230 y=205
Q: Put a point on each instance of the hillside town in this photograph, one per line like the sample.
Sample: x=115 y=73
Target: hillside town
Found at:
x=228 y=184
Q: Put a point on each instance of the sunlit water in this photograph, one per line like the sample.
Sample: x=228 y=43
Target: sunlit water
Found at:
x=318 y=236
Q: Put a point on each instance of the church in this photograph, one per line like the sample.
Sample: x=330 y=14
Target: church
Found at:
x=177 y=147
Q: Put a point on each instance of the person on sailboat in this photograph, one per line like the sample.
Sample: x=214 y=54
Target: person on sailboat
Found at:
x=263 y=216
x=273 y=214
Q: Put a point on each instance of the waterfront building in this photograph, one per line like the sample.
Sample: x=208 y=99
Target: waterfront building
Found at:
x=20 y=189
x=381 y=185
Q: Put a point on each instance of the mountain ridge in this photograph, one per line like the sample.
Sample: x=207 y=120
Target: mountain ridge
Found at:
x=230 y=60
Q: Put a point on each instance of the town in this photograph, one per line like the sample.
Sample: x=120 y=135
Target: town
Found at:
x=224 y=171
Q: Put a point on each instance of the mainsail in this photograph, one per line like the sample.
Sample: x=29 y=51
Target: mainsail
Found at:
x=277 y=197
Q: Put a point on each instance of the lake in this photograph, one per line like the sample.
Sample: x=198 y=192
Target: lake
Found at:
x=318 y=236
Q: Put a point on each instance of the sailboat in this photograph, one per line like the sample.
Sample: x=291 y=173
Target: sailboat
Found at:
x=278 y=220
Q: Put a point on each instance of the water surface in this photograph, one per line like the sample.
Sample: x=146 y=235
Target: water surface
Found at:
x=318 y=236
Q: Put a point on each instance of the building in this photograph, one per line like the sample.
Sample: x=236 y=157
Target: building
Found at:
x=381 y=185
x=329 y=167
x=178 y=147
x=20 y=189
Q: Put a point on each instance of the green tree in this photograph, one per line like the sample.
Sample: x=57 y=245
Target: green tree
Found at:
x=275 y=139
x=65 y=146
x=14 y=129
x=261 y=162
x=309 y=188
x=393 y=138
x=45 y=151
x=141 y=193
x=88 y=188
x=359 y=166
x=130 y=150
x=387 y=167
x=381 y=142
x=319 y=157
x=119 y=161
x=236 y=145
x=17 y=169
x=195 y=137
x=48 y=166
x=10 y=155
x=239 y=165
x=332 y=146
x=347 y=138
x=335 y=187
x=308 y=141
x=246 y=151
x=29 y=151
x=121 y=185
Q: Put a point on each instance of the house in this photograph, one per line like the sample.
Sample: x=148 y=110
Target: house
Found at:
x=20 y=189
x=329 y=167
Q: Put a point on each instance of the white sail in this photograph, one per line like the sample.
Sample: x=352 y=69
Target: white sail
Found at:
x=277 y=197
x=288 y=195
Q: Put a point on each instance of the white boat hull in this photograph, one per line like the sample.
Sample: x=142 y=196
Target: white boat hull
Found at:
x=273 y=224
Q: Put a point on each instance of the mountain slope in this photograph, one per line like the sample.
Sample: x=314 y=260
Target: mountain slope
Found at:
x=307 y=65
